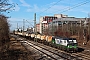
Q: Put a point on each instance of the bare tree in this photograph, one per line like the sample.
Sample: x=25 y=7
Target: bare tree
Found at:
x=4 y=26
x=88 y=37
x=4 y=32
x=5 y=6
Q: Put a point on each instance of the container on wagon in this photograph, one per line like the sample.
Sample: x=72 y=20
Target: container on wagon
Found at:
x=49 y=39
x=32 y=35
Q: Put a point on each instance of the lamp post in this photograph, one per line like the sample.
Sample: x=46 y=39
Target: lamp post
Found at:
x=85 y=31
x=23 y=26
x=30 y=24
x=35 y=28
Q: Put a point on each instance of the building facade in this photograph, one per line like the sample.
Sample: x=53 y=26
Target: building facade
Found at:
x=60 y=15
x=60 y=22
x=44 y=23
x=67 y=24
x=38 y=27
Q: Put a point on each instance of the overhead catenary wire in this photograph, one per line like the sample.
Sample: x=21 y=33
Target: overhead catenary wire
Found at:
x=50 y=6
x=74 y=6
x=85 y=2
x=29 y=23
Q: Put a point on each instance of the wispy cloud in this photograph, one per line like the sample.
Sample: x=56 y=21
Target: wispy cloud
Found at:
x=14 y=21
x=58 y=8
x=85 y=12
x=19 y=19
x=10 y=1
x=24 y=3
x=16 y=8
x=41 y=9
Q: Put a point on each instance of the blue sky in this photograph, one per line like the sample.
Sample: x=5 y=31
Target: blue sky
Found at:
x=25 y=9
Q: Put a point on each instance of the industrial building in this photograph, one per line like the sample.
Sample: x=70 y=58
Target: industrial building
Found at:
x=49 y=24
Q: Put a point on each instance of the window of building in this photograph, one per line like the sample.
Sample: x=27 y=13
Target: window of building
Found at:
x=59 y=22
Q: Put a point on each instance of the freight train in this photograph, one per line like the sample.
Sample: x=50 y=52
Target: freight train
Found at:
x=63 y=43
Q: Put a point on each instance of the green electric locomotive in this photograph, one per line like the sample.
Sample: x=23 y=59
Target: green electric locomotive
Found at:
x=66 y=44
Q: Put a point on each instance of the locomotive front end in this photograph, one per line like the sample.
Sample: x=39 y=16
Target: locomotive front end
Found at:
x=72 y=45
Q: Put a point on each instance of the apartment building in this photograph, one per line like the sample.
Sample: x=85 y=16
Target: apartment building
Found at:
x=44 y=23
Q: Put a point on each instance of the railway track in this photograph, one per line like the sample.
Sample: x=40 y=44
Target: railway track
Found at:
x=48 y=51
x=79 y=55
x=45 y=52
x=82 y=56
x=53 y=53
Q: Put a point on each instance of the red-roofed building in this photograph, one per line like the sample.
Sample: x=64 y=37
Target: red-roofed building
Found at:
x=44 y=23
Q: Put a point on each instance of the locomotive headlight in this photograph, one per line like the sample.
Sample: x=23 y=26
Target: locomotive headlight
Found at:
x=68 y=45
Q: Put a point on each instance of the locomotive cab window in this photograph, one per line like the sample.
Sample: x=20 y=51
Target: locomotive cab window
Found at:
x=70 y=41
x=74 y=41
x=64 y=41
x=60 y=41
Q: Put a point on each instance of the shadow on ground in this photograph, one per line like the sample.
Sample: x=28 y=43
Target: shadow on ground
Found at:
x=14 y=55
x=80 y=49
